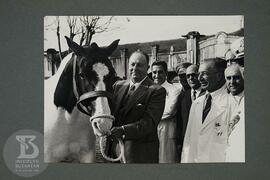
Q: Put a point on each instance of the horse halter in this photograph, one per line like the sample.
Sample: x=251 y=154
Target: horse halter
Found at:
x=83 y=99
x=88 y=96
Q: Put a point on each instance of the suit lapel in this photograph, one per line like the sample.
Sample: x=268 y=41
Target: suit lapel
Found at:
x=121 y=94
x=188 y=98
x=199 y=109
x=213 y=114
x=139 y=92
x=202 y=92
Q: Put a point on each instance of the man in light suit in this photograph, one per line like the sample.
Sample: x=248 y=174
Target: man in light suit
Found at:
x=186 y=98
x=236 y=126
x=168 y=152
x=138 y=107
x=206 y=134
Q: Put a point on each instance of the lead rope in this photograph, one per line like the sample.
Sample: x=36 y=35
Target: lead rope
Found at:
x=121 y=155
x=104 y=136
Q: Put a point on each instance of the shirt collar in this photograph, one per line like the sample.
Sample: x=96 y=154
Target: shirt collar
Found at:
x=137 y=84
x=165 y=84
x=239 y=97
x=197 y=90
x=217 y=92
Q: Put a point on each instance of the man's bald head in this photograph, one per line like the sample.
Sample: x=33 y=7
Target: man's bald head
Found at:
x=234 y=75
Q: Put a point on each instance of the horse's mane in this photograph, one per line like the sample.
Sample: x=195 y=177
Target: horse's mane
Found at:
x=63 y=94
x=52 y=81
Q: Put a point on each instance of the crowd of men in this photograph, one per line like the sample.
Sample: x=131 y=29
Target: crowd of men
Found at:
x=203 y=121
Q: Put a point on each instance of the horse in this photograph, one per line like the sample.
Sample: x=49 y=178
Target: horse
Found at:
x=80 y=89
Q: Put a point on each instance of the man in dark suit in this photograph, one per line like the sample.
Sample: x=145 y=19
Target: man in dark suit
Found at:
x=186 y=97
x=138 y=108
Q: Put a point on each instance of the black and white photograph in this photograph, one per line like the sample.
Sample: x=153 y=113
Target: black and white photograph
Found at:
x=144 y=89
x=134 y=90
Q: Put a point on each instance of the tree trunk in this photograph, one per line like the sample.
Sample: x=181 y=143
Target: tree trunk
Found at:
x=82 y=39
x=87 y=37
x=59 y=43
x=90 y=38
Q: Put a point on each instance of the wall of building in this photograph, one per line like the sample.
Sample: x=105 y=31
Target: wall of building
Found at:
x=195 y=52
x=47 y=67
x=216 y=46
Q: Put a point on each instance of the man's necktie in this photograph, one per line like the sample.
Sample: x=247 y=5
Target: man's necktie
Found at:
x=207 y=106
x=194 y=95
x=130 y=91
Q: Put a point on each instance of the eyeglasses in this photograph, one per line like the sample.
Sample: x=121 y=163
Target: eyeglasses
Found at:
x=205 y=73
x=193 y=75
x=182 y=75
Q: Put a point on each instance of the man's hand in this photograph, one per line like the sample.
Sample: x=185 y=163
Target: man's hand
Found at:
x=117 y=132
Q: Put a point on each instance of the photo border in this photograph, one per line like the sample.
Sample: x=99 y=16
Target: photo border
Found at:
x=22 y=79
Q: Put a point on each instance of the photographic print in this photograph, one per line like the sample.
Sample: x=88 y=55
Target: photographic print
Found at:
x=144 y=89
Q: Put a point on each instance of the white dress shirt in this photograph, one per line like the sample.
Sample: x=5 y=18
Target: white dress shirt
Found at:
x=137 y=84
x=198 y=91
x=172 y=93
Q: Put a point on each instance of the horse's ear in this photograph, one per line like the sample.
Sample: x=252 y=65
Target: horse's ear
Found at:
x=112 y=47
x=77 y=49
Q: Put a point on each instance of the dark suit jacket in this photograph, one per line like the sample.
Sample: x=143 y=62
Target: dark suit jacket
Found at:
x=184 y=105
x=142 y=113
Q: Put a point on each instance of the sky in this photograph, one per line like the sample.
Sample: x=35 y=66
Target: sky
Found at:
x=133 y=29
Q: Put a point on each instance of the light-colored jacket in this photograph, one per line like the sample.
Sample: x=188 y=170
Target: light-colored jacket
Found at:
x=207 y=142
x=172 y=93
x=236 y=137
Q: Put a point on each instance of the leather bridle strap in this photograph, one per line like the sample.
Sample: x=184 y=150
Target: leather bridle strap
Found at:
x=75 y=90
x=91 y=95
x=95 y=94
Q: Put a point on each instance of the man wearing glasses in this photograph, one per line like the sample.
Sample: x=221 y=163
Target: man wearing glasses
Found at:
x=187 y=97
x=206 y=134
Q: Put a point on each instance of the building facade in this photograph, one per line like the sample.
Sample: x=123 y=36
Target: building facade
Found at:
x=193 y=48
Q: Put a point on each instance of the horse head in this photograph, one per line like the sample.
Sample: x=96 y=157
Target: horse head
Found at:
x=86 y=81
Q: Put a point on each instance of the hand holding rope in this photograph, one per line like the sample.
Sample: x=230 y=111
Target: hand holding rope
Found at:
x=103 y=133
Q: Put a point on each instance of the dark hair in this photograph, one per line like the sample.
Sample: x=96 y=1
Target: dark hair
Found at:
x=161 y=63
x=182 y=65
x=219 y=63
x=143 y=53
